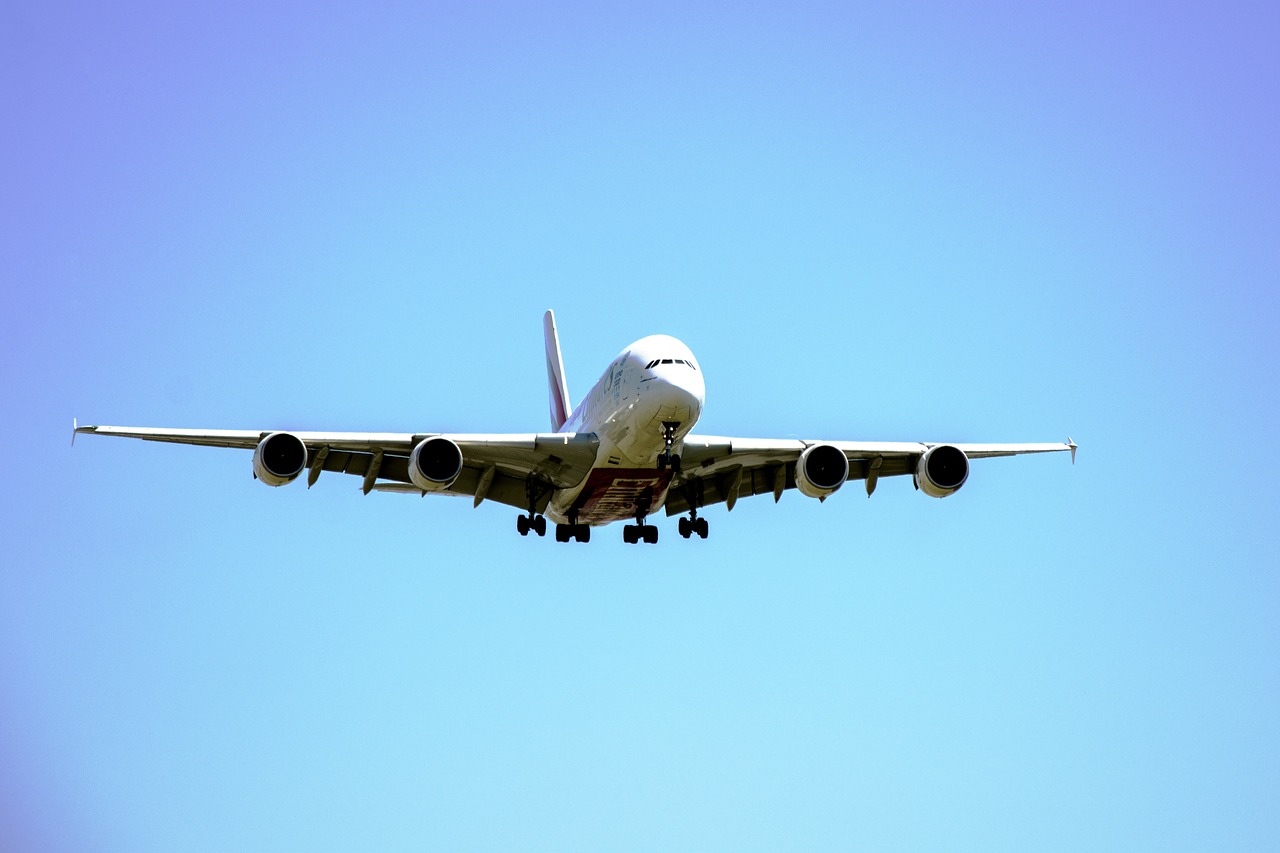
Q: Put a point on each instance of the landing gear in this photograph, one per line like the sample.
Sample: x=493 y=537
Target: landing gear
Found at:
x=566 y=532
x=692 y=525
x=533 y=490
x=666 y=458
x=573 y=530
x=692 y=491
x=633 y=533
x=536 y=523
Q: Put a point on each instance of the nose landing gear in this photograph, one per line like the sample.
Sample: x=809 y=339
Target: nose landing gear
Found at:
x=666 y=458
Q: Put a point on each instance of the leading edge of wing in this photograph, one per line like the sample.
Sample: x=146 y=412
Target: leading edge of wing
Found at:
x=394 y=442
x=248 y=439
x=988 y=451
x=699 y=449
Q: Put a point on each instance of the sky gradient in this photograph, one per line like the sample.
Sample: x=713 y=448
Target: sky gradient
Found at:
x=909 y=222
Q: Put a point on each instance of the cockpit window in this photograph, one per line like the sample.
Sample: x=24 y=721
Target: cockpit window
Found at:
x=657 y=361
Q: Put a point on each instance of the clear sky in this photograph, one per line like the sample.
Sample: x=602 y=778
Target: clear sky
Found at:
x=1011 y=222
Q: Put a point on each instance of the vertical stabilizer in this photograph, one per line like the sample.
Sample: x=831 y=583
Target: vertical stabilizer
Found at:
x=557 y=388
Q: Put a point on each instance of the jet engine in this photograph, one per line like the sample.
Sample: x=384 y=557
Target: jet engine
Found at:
x=434 y=464
x=820 y=470
x=942 y=470
x=279 y=458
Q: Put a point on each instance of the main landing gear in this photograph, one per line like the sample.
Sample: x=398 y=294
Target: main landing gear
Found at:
x=633 y=533
x=573 y=530
x=666 y=458
x=692 y=525
x=533 y=490
x=640 y=531
x=536 y=523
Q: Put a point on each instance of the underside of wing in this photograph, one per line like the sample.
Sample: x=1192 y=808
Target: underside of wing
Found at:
x=515 y=469
x=717 y=469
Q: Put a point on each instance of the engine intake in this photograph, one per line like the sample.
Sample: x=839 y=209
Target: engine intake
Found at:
x=820 y=470
x=279 y=458
x=434 y=464
x=942 y=470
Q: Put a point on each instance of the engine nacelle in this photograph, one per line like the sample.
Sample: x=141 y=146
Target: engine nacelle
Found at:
x=434 y=464
x=279 y=458
x=820 y=470
x=942 y=470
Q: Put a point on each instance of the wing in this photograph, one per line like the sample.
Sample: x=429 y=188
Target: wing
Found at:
x=508 y=468
x=717 y=469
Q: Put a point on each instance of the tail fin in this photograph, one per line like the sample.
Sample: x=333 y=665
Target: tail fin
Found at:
x=557 y=388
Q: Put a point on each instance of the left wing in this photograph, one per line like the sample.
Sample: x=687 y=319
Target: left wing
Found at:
x=718 y=469
x=514 y=469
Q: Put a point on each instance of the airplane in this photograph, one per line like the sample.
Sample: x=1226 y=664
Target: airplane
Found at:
x=626 y=451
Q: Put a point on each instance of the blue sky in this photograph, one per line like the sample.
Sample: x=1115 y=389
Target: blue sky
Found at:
x=1000 y=223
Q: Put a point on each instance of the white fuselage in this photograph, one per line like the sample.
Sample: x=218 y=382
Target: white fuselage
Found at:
x=653 y=382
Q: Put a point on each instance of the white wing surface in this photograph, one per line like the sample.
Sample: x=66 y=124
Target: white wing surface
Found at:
x=718 y=469
x=513 y=469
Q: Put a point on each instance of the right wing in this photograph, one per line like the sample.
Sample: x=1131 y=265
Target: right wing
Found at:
x=500 y=467
x=717 y=469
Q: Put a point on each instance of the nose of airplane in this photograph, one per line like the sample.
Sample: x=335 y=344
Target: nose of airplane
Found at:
x=680 y=393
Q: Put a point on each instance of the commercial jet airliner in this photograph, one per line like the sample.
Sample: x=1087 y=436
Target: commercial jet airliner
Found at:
x=625 y=452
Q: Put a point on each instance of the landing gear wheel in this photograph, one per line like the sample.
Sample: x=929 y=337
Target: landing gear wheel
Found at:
x=650 y=534
x=536 y=523
x=686 y=527
x=573 y=532
x=629 y=534
x=700 y=527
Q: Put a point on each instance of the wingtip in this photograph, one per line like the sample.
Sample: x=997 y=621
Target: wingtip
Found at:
x=76 y=429
x=1072 y=445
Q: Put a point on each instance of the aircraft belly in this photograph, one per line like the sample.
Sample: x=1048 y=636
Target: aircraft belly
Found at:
x=612 y=494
